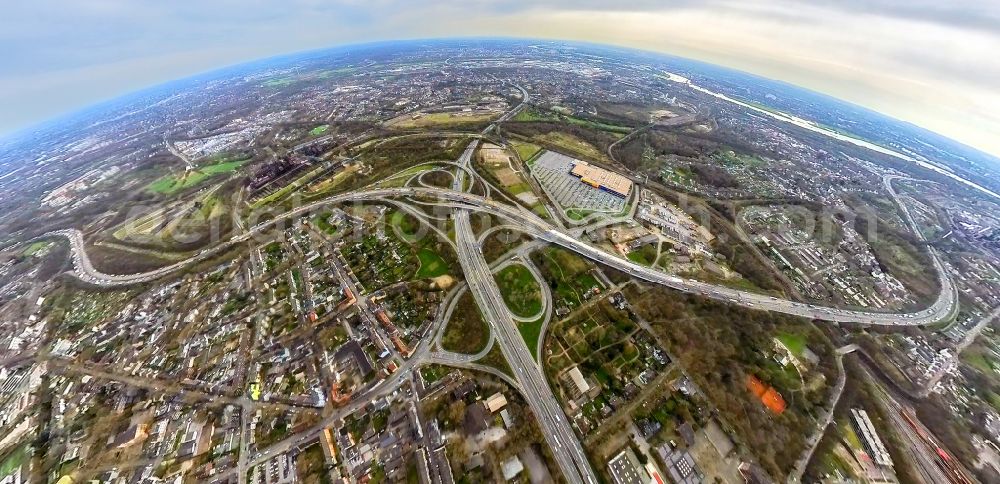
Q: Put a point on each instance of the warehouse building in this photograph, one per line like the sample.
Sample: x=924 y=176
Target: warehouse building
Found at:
x=869 y=438
x=602 y=179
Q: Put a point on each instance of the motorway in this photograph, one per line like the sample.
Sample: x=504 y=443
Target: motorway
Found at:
x=566 y=448
x=560 y=436
x=528 y=378
x=942 y=308
x=555 y=427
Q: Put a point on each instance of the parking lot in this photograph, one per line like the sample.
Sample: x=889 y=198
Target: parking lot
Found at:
x=552 y=170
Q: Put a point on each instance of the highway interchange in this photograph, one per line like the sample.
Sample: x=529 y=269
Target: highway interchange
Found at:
x=531 y=224
x=943 y=307
x=528 y=377
x=566 y=448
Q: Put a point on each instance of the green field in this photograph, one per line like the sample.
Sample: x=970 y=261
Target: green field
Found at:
x=731 y=158
x=279 y=82
x=174 y=183
x=433 y=373
x=796 y=343
x=318 y=130
x=578 y=214
x=403 y=176
x=644 y=255
x=431 y=264
x=974 y=357
x=335 y=72
x=496 y=359
x=994 y=400
x=526 y=151
x=847 y=432
x=209 y=207
x=831 y=462
x=164 y=222
x=35 y=248
x=405 y=225
x=466 y=331
x=289 y=188
x=13 y=460
x=322 y=222
x=520 y=290
x=444 y=119
x=567 y=273
x=572 y=144
x=529 y=115
x=601 y=126
x=678 y=176
x=530 y=332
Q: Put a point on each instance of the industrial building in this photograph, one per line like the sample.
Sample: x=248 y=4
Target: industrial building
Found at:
x=869 y=438
x=626 y=469
x=560 y=178
x=602 y=179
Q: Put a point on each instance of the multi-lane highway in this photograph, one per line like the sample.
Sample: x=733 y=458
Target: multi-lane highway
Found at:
x=942 y=308
x=566 y=448
x=528 y=377
x=555 y=427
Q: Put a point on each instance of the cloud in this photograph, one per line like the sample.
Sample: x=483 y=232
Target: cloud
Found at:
x=964 y=14
x=933 y=63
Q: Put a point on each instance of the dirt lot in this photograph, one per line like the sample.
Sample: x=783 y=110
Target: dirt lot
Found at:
x=507 y=177
x=428 y=120
x=494 y=155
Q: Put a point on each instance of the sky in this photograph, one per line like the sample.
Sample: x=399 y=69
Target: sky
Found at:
x=933 y=63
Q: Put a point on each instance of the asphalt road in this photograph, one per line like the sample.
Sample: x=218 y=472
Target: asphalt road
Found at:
x=566 y=448
x=555 y=426
x=943 y=307
x=557 y=430
x=532 y=224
